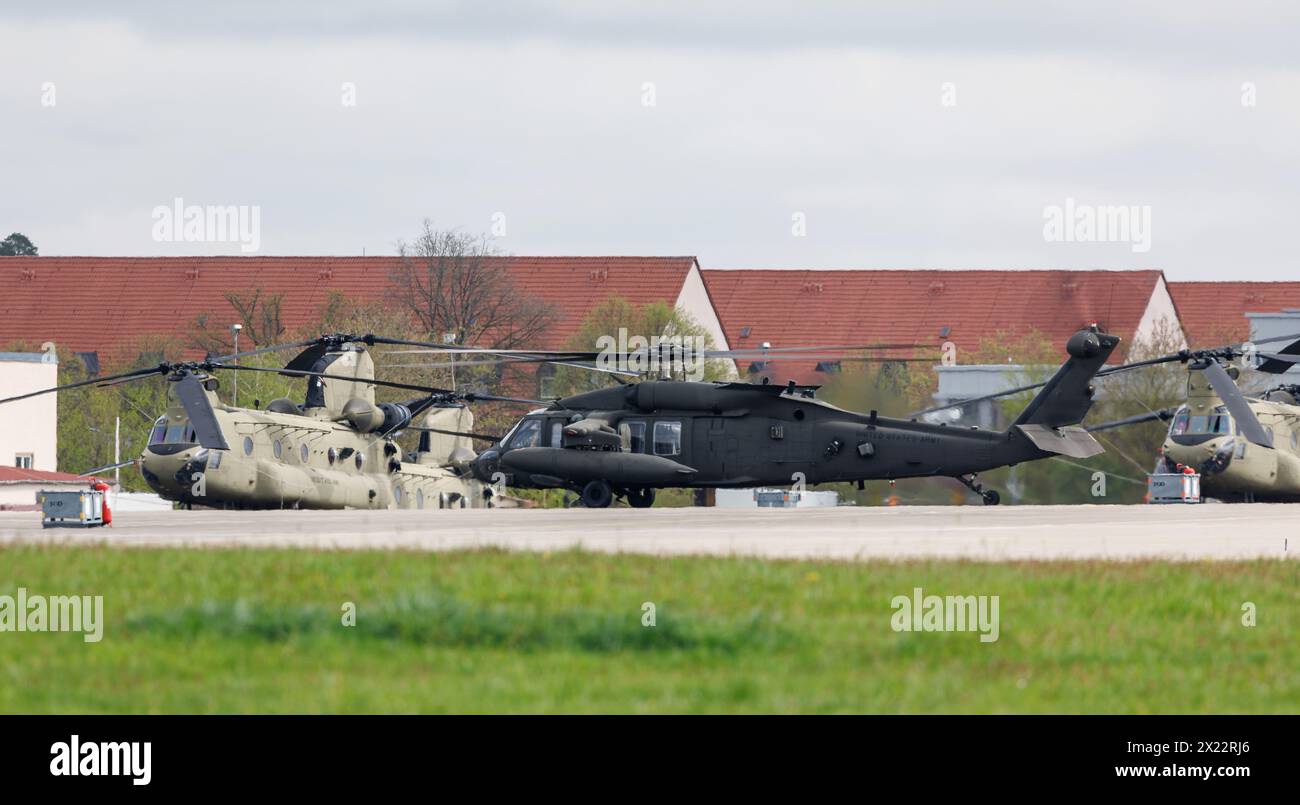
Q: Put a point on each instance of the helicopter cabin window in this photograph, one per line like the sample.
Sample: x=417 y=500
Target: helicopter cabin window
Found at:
x=633 y=436
x=303 y=453
x=668 y=438
x=248 y=445
x=557 y=433
x=277 y=448
x=530 y=431
x=1197 y=424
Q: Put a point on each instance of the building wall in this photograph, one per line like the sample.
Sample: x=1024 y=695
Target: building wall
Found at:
x=1273 y=325
x=694 y=299
x=1160 y=317
x=28 y=426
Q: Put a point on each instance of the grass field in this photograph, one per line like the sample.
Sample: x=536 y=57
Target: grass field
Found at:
x=261 y=631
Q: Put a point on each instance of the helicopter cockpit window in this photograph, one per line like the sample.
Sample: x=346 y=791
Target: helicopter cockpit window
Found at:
x=159 y=431
x=668 y=438
x=177 y=433
x=528 y=434
x=633 y=436
x=1197 y=424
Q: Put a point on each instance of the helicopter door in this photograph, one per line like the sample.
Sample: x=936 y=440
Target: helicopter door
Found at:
x=714 y=452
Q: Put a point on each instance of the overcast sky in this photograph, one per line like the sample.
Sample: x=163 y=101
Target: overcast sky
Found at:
x=749 y=134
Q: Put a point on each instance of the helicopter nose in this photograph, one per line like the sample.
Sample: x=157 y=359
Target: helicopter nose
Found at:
x=163 y=468
x=487 y=464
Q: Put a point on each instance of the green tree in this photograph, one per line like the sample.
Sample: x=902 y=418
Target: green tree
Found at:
x=605 y=321
x=17 y=245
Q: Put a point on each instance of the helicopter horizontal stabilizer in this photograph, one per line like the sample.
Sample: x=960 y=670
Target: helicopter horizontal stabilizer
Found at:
x=1071 y=441
x=1280 y=361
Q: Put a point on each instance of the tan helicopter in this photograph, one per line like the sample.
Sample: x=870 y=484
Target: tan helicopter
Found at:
x=1245 y=448
x=336 y=450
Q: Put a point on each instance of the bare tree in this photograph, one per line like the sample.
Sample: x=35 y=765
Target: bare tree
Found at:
x=258 y=312
x=459 y=288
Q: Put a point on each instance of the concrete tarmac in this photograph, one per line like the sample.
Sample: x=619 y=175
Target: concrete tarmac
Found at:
x=994 y=533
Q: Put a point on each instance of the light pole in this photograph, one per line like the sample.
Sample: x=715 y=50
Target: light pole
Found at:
x=234 y=391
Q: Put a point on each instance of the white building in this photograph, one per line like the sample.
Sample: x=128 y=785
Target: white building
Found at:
x=28 y=428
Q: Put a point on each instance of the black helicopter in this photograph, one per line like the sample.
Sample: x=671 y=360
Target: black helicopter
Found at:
x=627 y=441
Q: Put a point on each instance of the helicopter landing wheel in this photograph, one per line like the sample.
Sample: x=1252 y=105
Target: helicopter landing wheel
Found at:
x=989 y=496
x=597 y=495
x=641 y=498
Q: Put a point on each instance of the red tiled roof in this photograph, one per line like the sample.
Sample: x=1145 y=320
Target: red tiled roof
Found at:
x=810 y=307
x=1215 y=312
x=95 y=303
x=16 y=475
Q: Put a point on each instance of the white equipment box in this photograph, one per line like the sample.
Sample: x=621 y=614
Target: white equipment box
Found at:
x=1174 y=487
x=81 y=509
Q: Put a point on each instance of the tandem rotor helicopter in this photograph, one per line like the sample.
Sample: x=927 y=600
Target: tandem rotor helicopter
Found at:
x=335 y=450
x=1246 y=448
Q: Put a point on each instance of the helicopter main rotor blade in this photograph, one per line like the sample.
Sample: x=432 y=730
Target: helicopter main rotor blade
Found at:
x=306 y=360
x=473 y=397
x=108 y=467
x=1164 y=415
x=192 y=394
x=480 y=436
x=499 y=361
x=1237 y=404
x=134 y=374
x=1227 y=350
x=328 y=376
x=261 y=351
